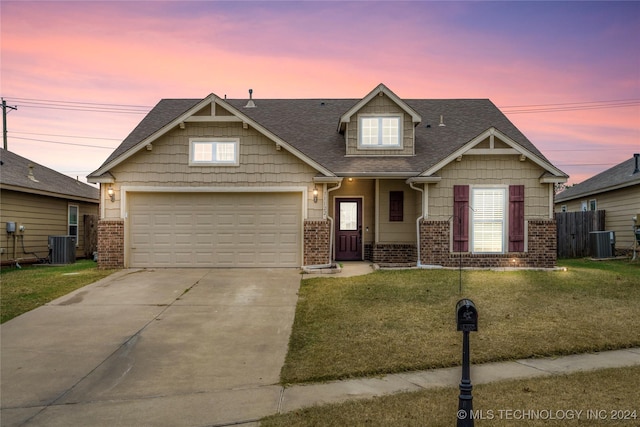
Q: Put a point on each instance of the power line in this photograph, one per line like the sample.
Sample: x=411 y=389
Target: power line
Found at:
x=574 y=106
x=81 y=106
x=63 y=143
x=572 y=103
x=584 y=149
x=586 y=164
x=66 y=136
x=99 y=104
x=141 y=109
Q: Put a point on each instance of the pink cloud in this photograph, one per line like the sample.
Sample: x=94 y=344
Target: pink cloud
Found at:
x=139 y=52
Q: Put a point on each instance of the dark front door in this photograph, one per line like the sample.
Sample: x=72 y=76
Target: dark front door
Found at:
x=348 y=229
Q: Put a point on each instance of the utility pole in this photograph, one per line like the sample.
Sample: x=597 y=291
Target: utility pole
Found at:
x=4 y=121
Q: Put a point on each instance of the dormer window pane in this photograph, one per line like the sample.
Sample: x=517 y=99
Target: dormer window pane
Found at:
x=390 y=131
x=380 y=132
x=369 y=129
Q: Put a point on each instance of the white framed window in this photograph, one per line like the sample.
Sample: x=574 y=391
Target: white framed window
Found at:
x=213 y=151
x=583 y=206
x=563 y=208
x=380 y=131
x=72 y=223
x=488 y=220
x=593 y=206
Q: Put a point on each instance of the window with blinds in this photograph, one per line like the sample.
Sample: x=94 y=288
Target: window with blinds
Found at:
x=488 y=220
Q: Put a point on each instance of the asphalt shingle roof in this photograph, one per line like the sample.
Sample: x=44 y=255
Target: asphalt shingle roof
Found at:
x=14 y=172
x=310 y=126
x=618 y=176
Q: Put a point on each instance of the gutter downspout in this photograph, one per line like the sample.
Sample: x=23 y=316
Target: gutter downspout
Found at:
x=420 y=218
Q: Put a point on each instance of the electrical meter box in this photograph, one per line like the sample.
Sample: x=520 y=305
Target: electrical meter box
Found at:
x=11 y=227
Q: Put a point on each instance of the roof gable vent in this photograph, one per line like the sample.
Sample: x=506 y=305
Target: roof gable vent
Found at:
x=250 y=104
x=31 y=176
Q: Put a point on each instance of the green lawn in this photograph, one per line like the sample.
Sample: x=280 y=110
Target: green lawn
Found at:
x=598 y=398
x=22 y=290
x=401 y=320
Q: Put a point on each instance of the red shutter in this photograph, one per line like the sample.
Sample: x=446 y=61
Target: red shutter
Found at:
x=516 y=218
x=396 y=206
x=460 y=218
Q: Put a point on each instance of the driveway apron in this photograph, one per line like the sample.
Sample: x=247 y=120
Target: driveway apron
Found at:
x=178 y=347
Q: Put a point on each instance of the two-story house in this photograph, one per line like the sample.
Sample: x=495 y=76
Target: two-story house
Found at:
x=219 y=182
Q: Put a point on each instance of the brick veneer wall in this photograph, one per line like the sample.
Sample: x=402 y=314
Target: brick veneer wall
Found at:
x=541 y=253
x=434 y=242
x=110 y=244
x=316 y=243
x=543 y=243
x=394 y=253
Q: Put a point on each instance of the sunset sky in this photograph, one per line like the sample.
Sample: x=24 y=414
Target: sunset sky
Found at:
x=83 y=73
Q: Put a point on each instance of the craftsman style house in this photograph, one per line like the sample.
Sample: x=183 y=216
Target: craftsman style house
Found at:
x=216 y=182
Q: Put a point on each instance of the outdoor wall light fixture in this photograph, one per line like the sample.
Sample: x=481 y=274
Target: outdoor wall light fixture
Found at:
x=315 y=194
x=112 y=194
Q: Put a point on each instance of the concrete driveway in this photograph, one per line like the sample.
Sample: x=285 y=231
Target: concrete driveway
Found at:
x=174 y=347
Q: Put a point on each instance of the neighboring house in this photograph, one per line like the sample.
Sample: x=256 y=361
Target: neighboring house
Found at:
x=617 y=192
x=40 y=202
x=217 y=182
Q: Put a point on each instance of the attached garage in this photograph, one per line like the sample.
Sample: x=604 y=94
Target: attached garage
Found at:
x=214 y=229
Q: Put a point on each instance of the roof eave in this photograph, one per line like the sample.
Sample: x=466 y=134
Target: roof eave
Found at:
x=580 y=195
x=96 y=176
x=506 y=139
x=424 y=179
x=157 y=134
x=49 y=193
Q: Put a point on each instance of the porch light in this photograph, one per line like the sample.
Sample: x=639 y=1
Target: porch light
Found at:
x=111 y=193
x=315 y=194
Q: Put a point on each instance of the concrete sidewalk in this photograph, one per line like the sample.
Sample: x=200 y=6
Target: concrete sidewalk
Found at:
x=300 y=396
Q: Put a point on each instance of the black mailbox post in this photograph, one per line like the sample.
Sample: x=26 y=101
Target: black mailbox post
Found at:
x=467 y=321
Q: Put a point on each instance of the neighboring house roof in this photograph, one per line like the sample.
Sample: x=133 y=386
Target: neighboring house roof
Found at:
x=622 y=175
x=308 y=126
x=20 y=174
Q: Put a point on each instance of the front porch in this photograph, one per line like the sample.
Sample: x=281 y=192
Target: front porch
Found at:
x=435 y=249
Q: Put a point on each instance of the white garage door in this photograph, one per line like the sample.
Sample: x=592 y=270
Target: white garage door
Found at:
x=215 y=229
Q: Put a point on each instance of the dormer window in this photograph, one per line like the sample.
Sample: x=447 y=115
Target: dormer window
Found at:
x=380 y=131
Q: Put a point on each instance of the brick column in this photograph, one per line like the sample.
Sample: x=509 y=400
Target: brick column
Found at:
x=543 y=243
x=434 y=242
x=110 y=244
x=316 y=243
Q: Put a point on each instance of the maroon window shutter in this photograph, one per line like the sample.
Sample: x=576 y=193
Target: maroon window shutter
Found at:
x=516 y=218
x=396 y=206
x=460 y=218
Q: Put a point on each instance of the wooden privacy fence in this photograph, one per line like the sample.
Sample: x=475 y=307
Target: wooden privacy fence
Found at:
x=90 y=235
x=573 y=232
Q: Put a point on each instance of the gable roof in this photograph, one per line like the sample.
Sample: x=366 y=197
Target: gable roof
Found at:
x=379 y=90
x=620 y=176
x=308 y=128
x=20 y=174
